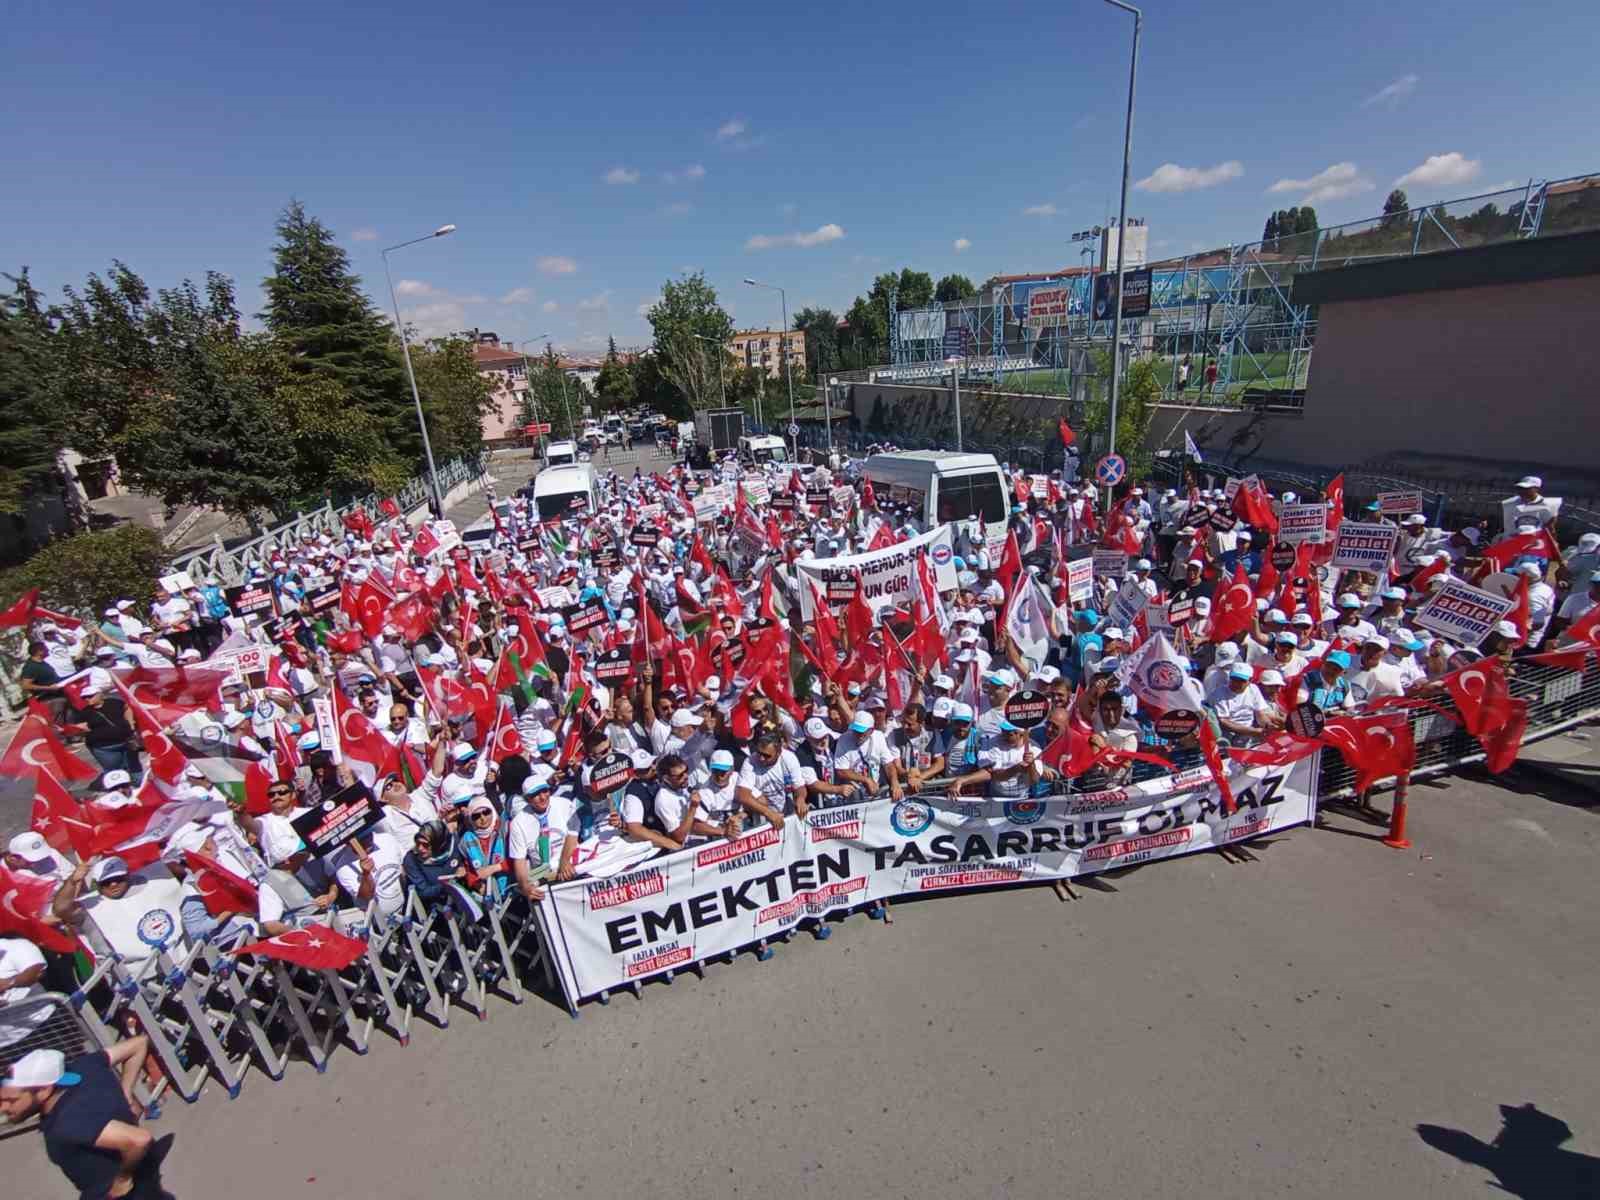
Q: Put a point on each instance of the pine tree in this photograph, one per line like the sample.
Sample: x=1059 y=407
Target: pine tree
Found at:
x=319 y=314
x=30 y=431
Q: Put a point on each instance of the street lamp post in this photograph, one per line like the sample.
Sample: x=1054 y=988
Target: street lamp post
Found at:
x=955 y=387
x=405 y=348
x=1122 y=221
x=827 y=409
x=527 y=375
x=788 y=370
x=722 y=384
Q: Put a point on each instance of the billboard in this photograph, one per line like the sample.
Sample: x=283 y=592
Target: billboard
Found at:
x=1048 y=306
x=1135 y=295
x=922 y=325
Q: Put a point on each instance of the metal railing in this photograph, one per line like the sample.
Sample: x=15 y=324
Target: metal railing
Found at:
x=229 y=564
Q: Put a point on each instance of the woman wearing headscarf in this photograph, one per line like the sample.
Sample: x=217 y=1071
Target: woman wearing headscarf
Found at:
x=484 y=847
x=432 y=863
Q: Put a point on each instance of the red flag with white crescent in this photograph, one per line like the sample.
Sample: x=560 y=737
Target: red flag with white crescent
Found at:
x=36 y=748
x=220 y=889
x=1375 y=746
x=316 y=946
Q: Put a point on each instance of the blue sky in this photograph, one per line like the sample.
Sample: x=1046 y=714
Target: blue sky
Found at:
x=587 y=152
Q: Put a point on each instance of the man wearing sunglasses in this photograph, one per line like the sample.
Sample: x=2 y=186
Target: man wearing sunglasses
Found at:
x=770 y=784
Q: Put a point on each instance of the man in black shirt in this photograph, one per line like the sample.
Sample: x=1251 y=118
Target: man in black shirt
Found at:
x=39 y=679
x=89 y=1127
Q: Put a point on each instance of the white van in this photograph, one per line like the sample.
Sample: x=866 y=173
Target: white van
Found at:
x=558 y=453
x=942 y=486
x=565 y=491
x=763 y=449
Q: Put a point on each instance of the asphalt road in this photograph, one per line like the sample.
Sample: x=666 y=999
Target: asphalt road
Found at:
x=1196 y=1028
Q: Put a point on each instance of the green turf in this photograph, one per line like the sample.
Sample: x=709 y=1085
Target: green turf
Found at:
x=1262 y=371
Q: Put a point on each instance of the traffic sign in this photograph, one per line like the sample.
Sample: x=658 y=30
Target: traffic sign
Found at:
x=536 y=428
x=794 y=430
x=1108 y=472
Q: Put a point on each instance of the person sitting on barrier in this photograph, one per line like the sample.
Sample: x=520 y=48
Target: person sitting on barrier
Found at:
x=544 y=838
x=433 y=863
x=89 y=1118
x=1239 y=706
x=914 y=760
x=284 y=901
x=770 y=783
x=483 y=845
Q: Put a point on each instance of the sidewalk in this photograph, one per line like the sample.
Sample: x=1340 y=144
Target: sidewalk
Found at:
x=1572 y=757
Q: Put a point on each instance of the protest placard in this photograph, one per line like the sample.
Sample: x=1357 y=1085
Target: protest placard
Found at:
x=1080 y=580
x=248 y=598
x=346 y=814
x=888 y=576
x=1110 y=564
x=1461 y=613
x=1397 y=503
x=1128 y=603
x=1303 y=523
x=1364 y=547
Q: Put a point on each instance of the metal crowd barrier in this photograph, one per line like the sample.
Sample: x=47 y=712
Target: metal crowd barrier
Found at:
x=214 y=1016
x=1557 y=700
x=57 y=1022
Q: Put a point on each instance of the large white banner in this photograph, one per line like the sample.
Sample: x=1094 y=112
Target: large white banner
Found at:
x=888 y=576
x=922 y=325
x=715 y=898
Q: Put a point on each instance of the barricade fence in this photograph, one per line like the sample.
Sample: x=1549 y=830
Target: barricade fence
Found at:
x=213 y=1016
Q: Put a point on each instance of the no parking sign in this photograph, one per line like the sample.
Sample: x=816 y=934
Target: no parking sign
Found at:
x=1108 y=472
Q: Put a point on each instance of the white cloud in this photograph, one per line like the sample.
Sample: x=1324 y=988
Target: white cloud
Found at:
x=1039 y=210
x=1442 y=170
x=557 y=264
x=621 y=175
x=596 y=302
x=1341 y=179
x=1170 y=177
x=729 y=130
x=438 y=319
x=817 y=237
x=521 y=295
x=644 y=309
x=549 y=306
x=961 y=245
x=1393 y=93
x=364 y=235
x=413 y=287
x=679 y=208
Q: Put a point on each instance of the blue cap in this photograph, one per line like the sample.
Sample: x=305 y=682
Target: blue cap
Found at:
x=1007 y=727
x=1086 y=614
x=722 y=760
x=1338 y=658
x=862 y=723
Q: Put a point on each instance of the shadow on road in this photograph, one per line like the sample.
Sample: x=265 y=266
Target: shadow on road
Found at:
x=1525 y=1158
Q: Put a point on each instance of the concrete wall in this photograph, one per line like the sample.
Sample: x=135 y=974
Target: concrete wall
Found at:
x=1483 y=382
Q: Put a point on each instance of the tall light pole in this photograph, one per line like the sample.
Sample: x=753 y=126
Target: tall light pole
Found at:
x=405 y=348
x=527 y=375
x=572 y=430
x=788 y=370
x=1122 y=220
x=827 y=407
x=722 y=385
x=955 y=387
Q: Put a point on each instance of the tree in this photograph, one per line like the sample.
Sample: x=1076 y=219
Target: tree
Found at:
x=317 y=310
x=88 y=571
x=653 y=391
x=954 y=287
x=31 y=427
x=687 y=312
x=1395 y=209
x=455 y=396
x=1306 y=220
x=614 y=386
x=1137 y=396
x=821 y=328
x=549 y=396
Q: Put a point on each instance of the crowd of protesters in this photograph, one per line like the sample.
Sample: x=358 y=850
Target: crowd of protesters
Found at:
x=570 y=696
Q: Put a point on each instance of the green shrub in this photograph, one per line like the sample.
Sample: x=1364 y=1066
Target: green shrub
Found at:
x=86 y=573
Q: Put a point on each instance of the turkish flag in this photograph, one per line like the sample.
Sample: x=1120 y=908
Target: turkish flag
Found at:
x=413 y=617
x=368 y=752
x=389 y=508
x=20 y=613
x=23 y=896
x=318 y=947
x=1214 y=764
x=448 y=697
x=1503 y=553
x=858 y=616
x=1419 y=581
x=1375 y=746
x=1518 y=615
x=1234 y=609
x=59 y=818
x=167 y=762
x=1501 y=747
x=424 y=543
x=1481 y=695
x=36 y=748
x=883 y=538
x=1010 y=565
x=347 y=641
x=1251 y=503
x=1279 y=750
x=869 y=498
x=1267 y=581
x=1067 y=436
x=1334 y=494
x=220 y=889
x=503 y=740
x=1070 y=753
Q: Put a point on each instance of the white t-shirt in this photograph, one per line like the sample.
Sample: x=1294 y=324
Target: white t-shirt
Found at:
x=1384 y=679
x=773 y=785
x=1241 y=709
x=1002 y=757
x=16 y=956
x=671 y=808
x=538 y=837
x=717 y=804
x=864 y=753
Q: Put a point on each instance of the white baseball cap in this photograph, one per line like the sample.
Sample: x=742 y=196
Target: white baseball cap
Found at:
x=1530 y=481
x=41 y=1068
x=684 y=716
x=30 y=846
x=115 y=779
